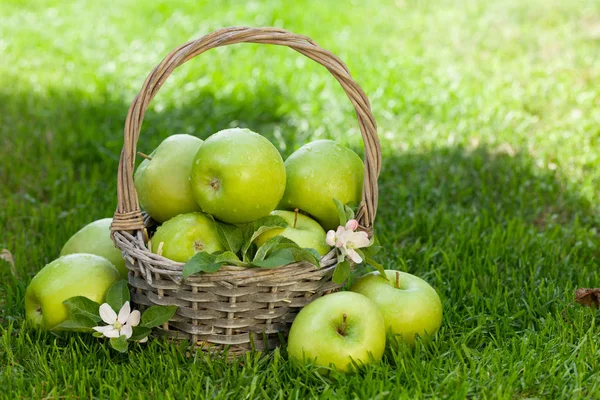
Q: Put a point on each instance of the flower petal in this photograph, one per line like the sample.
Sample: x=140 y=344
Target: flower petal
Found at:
x=351 y=225
x=107 y=314
x=103 y=328
x=354 y=256
x=134 y=318
x=124 y=313
x=111 y=333
x=360 y=239
x=330 y=239
x=127 y=331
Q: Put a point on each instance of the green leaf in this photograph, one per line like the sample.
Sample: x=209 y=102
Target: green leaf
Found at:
x=157 y=315
x=276 y=242
x=81 y=305
x=229 y=258
x=261 y=226
x=349 y=212
x=97 y=334
x=370 y=261
x=76 y=323
x=119 y=344
x=341 y=272
x=201 y=262
x=117 y=295
x=140 y=332
x=276 y=258
x=232 y=236
x=341 y=209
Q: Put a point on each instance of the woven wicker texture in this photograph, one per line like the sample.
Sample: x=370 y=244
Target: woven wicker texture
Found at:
x=235 y=308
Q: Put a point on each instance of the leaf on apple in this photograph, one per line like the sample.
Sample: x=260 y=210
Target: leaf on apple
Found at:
x=157 y=315
x=120 y=344
x=341 y=211
x=201 y=262
x=341 y=272
x=261 y=226
x=276 y=242
x=231 y=236
x=76 y=323
x=118 y=294
x=229 y=258
x=81 y=305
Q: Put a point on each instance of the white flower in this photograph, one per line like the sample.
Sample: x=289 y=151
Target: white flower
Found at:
x=118 y=325
x=347 y=240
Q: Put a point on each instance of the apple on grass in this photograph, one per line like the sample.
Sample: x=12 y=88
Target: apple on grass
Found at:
x=238 y=176
x=302 y=230
x=94 y=238
x=162 y=180
x=317 y=173
x=409 y=305
x=338 y=329
x=72 y=275
x=180 y=238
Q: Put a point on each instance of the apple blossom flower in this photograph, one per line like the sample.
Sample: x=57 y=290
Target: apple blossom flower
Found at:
x=348 y=240
x=118 y=325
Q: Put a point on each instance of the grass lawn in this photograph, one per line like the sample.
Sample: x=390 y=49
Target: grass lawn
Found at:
x=489 y=116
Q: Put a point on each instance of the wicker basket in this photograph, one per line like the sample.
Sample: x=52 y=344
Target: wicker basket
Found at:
x=235 y=308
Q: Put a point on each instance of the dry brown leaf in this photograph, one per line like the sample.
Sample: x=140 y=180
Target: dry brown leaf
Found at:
x=8 y=257
x=588 y=297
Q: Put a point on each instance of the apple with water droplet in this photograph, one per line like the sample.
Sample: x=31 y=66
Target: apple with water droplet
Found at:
x=302 y=230
x=94 y=238
x=238 y=176
x=162 y=180
x=317 y=173
x=409 y=305
x=336 y=330
x=72 y=275
x=180 y=238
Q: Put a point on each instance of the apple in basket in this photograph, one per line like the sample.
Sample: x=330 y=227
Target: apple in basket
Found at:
x=238 y=176
x=162 y=181
x=337 y=330
x=303 y=230
x=94 y=238
x=409 y=305
x=181 y=237
x=72 y=275
x=317 y=173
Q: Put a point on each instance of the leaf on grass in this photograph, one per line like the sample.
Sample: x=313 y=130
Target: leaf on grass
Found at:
x=140 y=332
x=80 y=305
x=117 y=295
x=588 y=297
x=201 y=262
x=261 y=226
x=341 y=209
x=8 y=257
x=157 y=315
x=76 y=323
x=341 y=272
x=119 y=344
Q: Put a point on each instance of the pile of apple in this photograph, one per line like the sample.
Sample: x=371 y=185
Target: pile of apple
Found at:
x=237 y=177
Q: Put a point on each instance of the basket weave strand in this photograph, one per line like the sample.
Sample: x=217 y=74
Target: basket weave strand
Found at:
x=236 y=308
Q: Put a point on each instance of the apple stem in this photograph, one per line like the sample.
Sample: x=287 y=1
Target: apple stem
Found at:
x=343 y=327
x=295 y=216
x=147 y=157
x=397 y=280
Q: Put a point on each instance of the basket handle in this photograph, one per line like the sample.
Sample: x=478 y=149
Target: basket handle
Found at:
x=128 y=216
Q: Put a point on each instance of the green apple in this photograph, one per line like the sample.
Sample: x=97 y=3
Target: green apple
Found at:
x=72 y=275
x=94 y=238
x=238 y=176
x=317 y=173
x=162 y=181
x=302 y=230
x=336 y=329
x=409 y=305
x=186 y=235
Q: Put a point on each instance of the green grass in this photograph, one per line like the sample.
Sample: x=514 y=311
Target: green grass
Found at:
x=488 y=114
